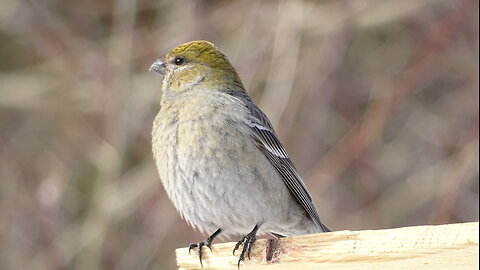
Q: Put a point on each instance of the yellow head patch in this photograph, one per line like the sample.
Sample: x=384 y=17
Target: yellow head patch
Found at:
x=202 y=52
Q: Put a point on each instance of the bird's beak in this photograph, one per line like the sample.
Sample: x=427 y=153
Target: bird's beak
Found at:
x=158 y=67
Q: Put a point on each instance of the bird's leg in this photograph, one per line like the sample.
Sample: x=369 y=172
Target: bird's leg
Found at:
x=207 y=242
x=247 y=242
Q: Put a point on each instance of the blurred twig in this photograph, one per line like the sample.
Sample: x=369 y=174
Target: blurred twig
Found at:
x=361 y=136
x=454 y=175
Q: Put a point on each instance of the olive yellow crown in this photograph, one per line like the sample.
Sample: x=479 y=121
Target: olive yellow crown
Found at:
x=205 y=53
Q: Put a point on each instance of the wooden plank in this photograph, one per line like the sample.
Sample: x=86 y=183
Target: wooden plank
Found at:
x=451 y=246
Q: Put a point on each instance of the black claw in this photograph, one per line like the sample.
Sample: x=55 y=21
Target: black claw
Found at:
x=247 y=242
x=237 y=245
x=209 y=245
x=192 y=246
x=207 y=242
x=199 y=251
x=200 y=245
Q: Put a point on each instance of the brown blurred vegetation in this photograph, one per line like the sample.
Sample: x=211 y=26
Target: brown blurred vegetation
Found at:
x=376 y=101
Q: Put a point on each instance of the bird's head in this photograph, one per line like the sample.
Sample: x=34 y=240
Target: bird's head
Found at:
x=194 y=65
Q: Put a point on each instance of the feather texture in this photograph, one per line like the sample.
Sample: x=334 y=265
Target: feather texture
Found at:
x=269 y=144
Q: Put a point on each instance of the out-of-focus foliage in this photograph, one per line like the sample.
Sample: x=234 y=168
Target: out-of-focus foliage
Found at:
x=376 y=101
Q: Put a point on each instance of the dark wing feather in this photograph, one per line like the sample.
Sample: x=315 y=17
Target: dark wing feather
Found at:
x=267 y=141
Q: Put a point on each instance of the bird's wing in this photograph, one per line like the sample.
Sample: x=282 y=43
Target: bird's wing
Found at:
x=267 y=141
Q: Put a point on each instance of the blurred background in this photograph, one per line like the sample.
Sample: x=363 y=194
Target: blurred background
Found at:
x=376 y=101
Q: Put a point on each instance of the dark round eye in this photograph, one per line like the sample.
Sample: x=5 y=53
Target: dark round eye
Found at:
x=179 y=60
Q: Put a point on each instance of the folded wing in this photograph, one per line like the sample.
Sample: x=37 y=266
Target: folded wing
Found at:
x=267 y=141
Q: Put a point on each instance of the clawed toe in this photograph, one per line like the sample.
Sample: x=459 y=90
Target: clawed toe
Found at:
x=192 y=246
x=199 y=245
x=207 y=243
x=199 y=251
x=247 y=242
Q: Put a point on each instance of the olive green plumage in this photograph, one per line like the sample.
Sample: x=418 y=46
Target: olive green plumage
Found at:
x=204 y=59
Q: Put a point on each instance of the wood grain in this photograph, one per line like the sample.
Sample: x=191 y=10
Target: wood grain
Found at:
x=451 y=246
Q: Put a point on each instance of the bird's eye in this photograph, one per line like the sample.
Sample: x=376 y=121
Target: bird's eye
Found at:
x=178 y=61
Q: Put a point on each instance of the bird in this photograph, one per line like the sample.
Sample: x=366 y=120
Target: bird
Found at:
x=218 y=156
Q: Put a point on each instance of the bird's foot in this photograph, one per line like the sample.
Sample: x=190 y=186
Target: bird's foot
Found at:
x=207 y=242
x=199 y=245
x=247 y=242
